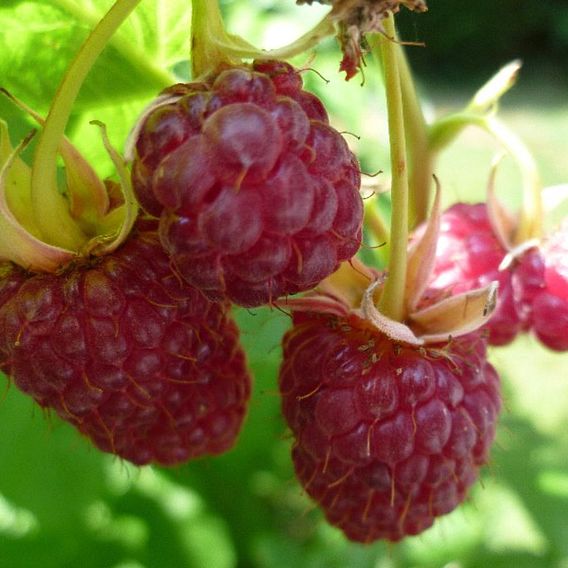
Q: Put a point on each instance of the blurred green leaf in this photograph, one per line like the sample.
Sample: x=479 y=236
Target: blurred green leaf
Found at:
x=136 y=64
x=45 y=466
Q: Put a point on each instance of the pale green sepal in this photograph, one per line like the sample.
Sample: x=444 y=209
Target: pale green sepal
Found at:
x=17 y=183
x=17 y=244
x=502 y=221
x=213 y=45
x=113 y=237
x=88 y=198
x=488 y=96
x=86 y=193
x=315 y=304
x=307 y=42
x=483 y=105
x=111 y=221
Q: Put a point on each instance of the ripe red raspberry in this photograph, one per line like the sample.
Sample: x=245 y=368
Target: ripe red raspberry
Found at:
x=550 y=305
x=140 y=363
x=258 y=194
x=388 y=435
x=468 y=256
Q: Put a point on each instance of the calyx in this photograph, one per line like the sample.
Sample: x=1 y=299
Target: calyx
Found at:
x=357 y=288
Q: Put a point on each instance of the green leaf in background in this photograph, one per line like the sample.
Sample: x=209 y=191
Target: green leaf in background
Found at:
x=41 y=452
x=40 y=38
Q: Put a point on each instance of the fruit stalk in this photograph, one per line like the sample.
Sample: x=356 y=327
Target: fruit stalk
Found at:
x=209 y=39
x=421 y=161
x=50 y=209
x=444 y=131
x=392 y=300
x=530 y=223
x=416 y=129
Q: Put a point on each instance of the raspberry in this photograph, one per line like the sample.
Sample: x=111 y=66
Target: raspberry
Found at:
x=141 y=364
x=258 y=194
x=388 y=435
x=468 y=256
x=550 y=305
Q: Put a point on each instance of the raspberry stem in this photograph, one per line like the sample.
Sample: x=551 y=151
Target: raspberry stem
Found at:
x=212 y=45
x=50 y=208
x=416 y=129
x=445 y=130
x=392 y=300
x=530 y=223
x=375 y=224
x=421 y=160
x=210 y=42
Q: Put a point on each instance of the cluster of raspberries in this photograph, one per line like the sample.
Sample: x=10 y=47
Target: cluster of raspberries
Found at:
x=249 y=196
x=258 y=198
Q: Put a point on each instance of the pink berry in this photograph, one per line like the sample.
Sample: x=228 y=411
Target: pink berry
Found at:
x=244 y=164
x=388 y=436
x=142 y=365
x=468 y=256
x=550 y=306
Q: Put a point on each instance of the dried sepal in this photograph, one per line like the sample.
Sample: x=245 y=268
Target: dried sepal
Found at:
x=355 y=18
x=451 y=317
x=391 y=328
x=422 y=255
x=456 y=315
x=315 y=304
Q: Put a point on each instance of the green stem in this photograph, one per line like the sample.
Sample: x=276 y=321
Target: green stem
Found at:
x=421 y=163
x=137 y=57
x=50 y=208
x=420 y=158
x=444 y=131
x=392 y=300
x=375 y=224
x=210 y=42
x=530 y=222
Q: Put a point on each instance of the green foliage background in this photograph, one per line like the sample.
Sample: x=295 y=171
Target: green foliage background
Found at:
x=63 y=504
